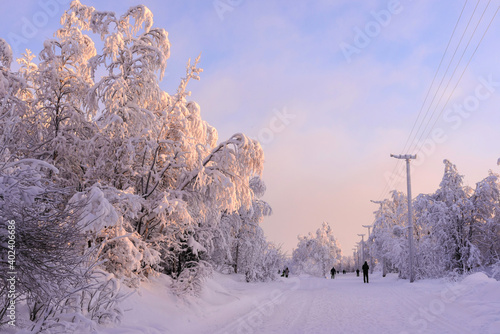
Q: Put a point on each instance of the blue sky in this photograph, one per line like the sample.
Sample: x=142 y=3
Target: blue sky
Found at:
x=329 y=155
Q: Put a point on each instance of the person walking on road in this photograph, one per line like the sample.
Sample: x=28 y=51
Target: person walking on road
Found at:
x=332 y=272
x=365 y=268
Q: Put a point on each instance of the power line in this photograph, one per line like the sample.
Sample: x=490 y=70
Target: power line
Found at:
x=444 y=75
x=459 y=79
x=434 y=78
x=399 y=165
x=453 y=74
x=390 y=183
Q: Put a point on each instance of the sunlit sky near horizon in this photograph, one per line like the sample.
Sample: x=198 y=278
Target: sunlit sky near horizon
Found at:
x=331 y=88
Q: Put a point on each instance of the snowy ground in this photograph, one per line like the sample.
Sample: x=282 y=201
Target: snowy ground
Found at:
x=314 y=305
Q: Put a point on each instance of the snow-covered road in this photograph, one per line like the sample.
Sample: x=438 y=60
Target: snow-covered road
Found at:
x=304 y=304
x=347 y=305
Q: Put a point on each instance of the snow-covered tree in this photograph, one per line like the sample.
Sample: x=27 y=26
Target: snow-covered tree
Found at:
x=388 y=240
x=447 y=226
x=60 y=131
x=348 y=264
x=13 y=108
x=240 y=241
x=486 y=216
x=152 y=156
x=145 y=184
x=316 y=254
x=453 y=230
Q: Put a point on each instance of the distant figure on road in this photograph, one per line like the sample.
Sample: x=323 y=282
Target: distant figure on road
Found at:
x=332 y=272
x=357 y=272
x=365 y=268
x=285 y=272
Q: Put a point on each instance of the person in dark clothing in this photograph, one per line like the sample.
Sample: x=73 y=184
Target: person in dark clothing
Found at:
x=357 y=272
x=365 y=268
x=285 y=272
x=332 y=272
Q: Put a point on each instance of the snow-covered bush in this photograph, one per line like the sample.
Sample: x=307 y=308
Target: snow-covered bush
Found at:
x=496 y=271
x=49 y=244
x=97 y=302
x=190 y=280
x=111 y=239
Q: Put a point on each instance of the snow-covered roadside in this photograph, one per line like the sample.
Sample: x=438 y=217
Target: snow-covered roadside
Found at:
x=224 y=299
x=438 y=306
x=481 y=302
x=308 y=304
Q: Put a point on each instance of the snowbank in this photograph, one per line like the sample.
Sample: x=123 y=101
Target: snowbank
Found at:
x=154 y=309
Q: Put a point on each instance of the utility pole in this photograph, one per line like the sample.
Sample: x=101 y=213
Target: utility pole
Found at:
x=362 y=247
x=368 y=227
x=408 y=157
x=354 y=257
x=357 y=252
x=369 y=248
